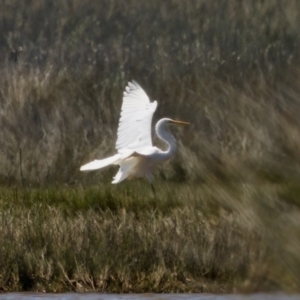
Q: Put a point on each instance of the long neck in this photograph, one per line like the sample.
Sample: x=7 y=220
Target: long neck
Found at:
x=168 y=138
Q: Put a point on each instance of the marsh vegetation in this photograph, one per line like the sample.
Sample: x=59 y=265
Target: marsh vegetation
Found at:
x=227 y=215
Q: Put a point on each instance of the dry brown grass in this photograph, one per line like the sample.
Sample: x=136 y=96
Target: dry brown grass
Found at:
x=229 y=68
x=211 y=238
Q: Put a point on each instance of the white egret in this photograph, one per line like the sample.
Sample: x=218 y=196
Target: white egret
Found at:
x=136 y=155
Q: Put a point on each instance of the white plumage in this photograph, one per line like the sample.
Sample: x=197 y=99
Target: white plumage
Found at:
x=136 y=155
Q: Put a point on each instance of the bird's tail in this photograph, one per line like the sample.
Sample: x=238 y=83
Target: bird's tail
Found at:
x=99 y=164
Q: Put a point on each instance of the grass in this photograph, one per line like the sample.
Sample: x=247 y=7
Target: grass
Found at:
x=207 y=238
x=226 y=216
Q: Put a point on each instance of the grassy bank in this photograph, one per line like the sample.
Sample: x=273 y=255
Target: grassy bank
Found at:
x=227 y=213
x=208 y=238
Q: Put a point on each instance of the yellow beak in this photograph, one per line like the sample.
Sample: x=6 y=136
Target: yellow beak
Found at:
x=179 y=122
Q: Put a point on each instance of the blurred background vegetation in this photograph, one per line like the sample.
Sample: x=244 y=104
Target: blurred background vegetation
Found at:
x=231 y=68
x=228 y=67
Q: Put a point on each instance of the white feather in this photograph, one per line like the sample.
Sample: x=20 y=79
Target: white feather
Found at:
x=126 y=168
x=99 y=164
x=135 y=121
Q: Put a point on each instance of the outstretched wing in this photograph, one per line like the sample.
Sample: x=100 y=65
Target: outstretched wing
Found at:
x=134 y=130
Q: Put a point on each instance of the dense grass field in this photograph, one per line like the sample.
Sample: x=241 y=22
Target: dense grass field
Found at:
x=227 y=212
x=192 y=238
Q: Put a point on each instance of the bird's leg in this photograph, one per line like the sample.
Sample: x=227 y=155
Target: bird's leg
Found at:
x=150 y=180
x=153 y=189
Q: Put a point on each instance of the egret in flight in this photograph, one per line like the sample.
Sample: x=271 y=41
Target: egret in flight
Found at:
x=136 y=155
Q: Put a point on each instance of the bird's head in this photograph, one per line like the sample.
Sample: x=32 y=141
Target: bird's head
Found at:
x=163 y=133
x=167 y=121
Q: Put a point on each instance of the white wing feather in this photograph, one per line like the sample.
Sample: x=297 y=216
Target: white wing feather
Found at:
x=134 y=130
